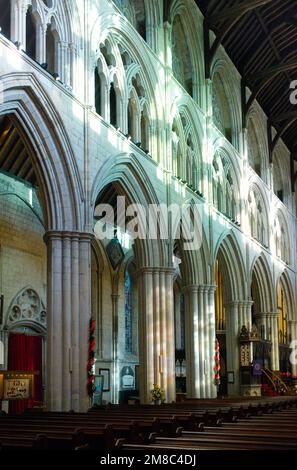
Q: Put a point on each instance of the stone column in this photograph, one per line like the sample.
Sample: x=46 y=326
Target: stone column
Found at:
x=293 y=337
x=272 y=326
x=157 y=349
x=115 y=336
x=40 y=43
x=263 y=324
x=232 y=343
x=18 y=11
x=68 y=314
x=245 y=313
x=200 y=341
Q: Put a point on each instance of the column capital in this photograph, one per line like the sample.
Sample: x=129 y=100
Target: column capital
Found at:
x=232 y=303
x=240 y=303
x=292 y=322
x=156 y=270
x=246 y=303
x=199 y=288
x=63 y=235
x=269 y=314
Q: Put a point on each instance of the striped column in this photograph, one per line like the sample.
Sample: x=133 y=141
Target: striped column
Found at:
x=200 y=341
x=68 y=315
x=157 y=348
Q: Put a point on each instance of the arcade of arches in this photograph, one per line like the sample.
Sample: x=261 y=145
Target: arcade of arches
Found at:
x=117 y=106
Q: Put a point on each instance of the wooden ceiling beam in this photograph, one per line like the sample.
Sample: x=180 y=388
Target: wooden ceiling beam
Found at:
x=292 y=115
x=280 y=133
x=272 y=71
x=237 y=11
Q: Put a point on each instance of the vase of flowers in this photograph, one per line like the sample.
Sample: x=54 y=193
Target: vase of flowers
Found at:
x=157 y=395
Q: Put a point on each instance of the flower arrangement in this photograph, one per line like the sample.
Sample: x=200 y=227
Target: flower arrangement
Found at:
x=158 y=394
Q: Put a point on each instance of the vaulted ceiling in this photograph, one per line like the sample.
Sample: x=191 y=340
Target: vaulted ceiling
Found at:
x=260 y=36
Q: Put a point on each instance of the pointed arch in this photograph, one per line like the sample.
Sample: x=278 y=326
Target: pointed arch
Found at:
x=34 y=116
x=127 y=173
x=186 y=18
x=226 y=101
x=257 y=142
x=229 y=255
x=286 y=283
x=261 y=273
x=27 y=309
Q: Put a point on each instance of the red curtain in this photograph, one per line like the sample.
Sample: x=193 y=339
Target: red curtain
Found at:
x=25 y=353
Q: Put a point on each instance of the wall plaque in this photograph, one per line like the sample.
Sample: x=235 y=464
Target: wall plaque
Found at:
x=16 y=385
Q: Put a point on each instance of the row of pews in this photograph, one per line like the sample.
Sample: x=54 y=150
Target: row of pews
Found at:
x=192 y=425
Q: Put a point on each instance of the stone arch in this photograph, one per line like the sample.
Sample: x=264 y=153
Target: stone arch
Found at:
x=258 y=213
x=227 y=177
x=230 y=280
x=194 y=266
x=53 y=159
x=263 y=277
x=27 y=310
x=62 y=12
x=185 y=125
x=282 y=236
x=281 y=173
x=123 y=39
x=231 y=262
x=61 y=20
x=226 y=102
x=188 y=21
x=257 y=142
x=286 y=283
x=128 y=174
x=136 y=13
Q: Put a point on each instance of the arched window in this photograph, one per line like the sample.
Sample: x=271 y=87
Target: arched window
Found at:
x=51 y=53
x=230 y=197
x=219 y=300
x=181 y=59
x=254 y=154
x=258 y=217
x=144 y=124
x=131 y=118
x=256 y=306
x=281 y=238
x=278 y=185
x=225 y=191
x=98 y=91
x=190 y=162
x=128 y=313
x=282 y=316
x=134 y=11
x=221 y=108
x=5 y=18
x=113 y=105
x=30 y=34
x=134 y=116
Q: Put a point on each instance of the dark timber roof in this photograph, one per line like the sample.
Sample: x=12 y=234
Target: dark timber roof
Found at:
x=14 y=157
x=260 y=36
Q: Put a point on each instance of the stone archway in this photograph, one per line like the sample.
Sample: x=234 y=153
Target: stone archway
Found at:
x=123 y=176
x=233 y=309
x=33 y=115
